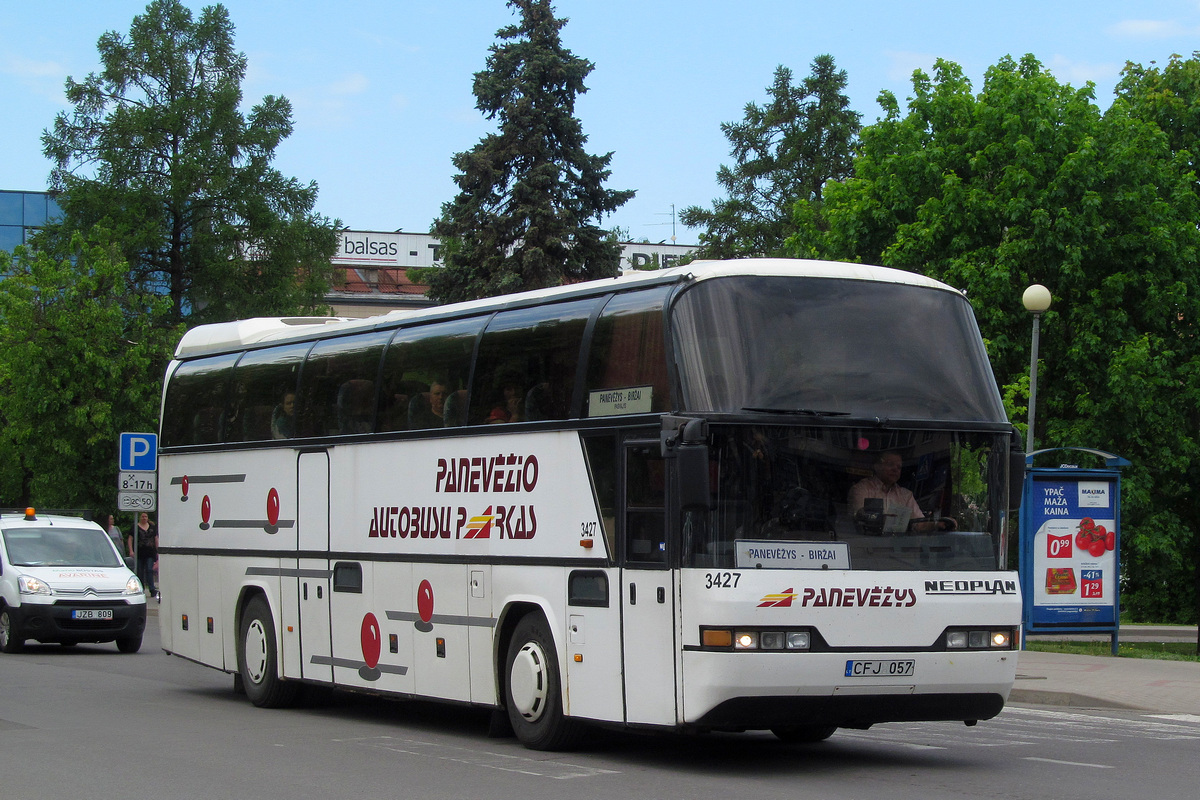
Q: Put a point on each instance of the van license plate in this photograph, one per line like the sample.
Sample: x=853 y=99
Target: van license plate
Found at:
x=92 y=613
x=880 y=669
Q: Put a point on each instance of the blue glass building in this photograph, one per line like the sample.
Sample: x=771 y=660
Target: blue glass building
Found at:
x=23 y=212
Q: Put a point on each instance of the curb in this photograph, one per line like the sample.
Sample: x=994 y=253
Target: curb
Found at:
x=1041 y=697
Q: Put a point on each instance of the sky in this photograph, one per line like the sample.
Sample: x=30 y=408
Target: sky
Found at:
x=382 y=100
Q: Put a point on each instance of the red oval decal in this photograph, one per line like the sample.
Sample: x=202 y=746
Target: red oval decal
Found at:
x=205 y=509
x=425 y=601
x=372 y=640
x=184 y=483
x=273 y=507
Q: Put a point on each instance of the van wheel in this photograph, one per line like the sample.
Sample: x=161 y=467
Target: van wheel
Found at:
x=803 y=734
x=11 y=640
x=130 y=644
x=258 y=661
x=533 y=691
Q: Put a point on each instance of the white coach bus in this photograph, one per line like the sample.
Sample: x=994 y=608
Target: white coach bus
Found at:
x=743 y=495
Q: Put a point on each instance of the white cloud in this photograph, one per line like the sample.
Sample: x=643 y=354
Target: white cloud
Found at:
x=901 y=64
x=354 y=83
x=28 y=68
x=1077 y=73
x=42 y=78
x=1152 y=29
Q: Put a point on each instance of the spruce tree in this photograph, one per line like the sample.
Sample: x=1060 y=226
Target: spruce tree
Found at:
x=530 y=197
x=783 y=151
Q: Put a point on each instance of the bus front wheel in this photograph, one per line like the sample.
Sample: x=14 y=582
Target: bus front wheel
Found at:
x=258 y=659
x=534 y=691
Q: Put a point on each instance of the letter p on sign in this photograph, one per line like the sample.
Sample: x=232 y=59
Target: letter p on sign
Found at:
x=139 y=452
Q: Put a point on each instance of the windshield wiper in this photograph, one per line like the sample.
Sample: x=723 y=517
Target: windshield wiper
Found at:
x=806 y=412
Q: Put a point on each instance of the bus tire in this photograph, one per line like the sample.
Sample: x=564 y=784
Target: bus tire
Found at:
x=533 y=690
x=11 y=640
x=258 y=659
x=803 y=734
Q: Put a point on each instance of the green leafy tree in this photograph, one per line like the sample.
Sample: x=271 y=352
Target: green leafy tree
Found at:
x=157 y=149
x=81 y=358
x=782 y=151
x=531 y=198
x=1170 y=97
x=1029 y=182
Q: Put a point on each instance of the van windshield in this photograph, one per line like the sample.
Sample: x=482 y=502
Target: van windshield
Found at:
x=60 y=547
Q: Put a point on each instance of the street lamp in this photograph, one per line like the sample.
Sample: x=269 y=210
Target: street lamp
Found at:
x=1036 y=300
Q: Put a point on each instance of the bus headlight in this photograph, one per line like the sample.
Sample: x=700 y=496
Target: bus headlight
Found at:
x=771 y=640
x=798 y=640
x=745 y=640
x=980 y=639
x=750 y=639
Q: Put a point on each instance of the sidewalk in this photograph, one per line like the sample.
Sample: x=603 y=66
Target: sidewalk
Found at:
x=1058 y=679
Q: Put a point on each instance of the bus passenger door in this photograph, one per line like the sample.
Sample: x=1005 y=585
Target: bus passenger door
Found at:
x=314 y=584
x=647 y=590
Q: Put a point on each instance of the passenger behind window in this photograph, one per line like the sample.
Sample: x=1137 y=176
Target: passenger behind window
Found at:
x=355 y=399
x=510 y=405
x=393 y=404
x=427 y=410
x=551 y=398
x=283 y=417
x=456 y=409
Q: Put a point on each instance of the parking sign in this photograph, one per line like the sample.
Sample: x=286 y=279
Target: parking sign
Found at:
x=139 y=452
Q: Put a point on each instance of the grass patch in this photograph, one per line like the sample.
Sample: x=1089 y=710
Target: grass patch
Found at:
x=1164 y=651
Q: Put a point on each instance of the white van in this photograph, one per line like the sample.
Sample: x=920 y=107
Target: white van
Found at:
x=62 y=580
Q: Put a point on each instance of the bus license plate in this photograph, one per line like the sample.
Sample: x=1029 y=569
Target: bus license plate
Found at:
x=880 y=669
x=92 y=613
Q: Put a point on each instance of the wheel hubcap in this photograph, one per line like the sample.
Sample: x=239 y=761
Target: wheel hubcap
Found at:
x=528 y=682
x=256 y=652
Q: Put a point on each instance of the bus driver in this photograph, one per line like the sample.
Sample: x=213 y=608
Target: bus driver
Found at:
x=894 y=499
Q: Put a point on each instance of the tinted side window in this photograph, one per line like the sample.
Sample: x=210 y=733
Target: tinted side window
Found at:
x=627 y=365
x=196 y=400
x=337 y=386
x=425 y=373
x=527 y=362
x=262 y=401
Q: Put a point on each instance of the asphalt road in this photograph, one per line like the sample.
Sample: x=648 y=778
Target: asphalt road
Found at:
x=90 y=722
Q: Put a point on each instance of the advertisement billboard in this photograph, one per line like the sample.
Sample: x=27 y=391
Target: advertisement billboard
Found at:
x=1070 y=549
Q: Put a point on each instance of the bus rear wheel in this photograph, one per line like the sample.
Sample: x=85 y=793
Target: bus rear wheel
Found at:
x=258 y=659
x=803 y=734
x=533 y=689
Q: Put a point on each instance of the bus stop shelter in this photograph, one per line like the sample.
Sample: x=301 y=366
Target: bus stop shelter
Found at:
x=1070 y=540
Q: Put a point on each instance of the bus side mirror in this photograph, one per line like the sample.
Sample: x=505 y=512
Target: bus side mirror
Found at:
x=688 y=445
x=1016 y=478
x=694 y=490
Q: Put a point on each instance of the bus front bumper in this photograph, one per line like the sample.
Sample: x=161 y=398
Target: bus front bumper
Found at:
x=757 y=691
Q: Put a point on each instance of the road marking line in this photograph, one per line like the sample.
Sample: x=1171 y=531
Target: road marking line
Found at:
x=557 y=770
x=1178 y=717
x=1068 y=763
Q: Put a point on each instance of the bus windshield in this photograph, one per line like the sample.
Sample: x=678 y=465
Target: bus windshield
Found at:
x=870 y=499
x=827 y=346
